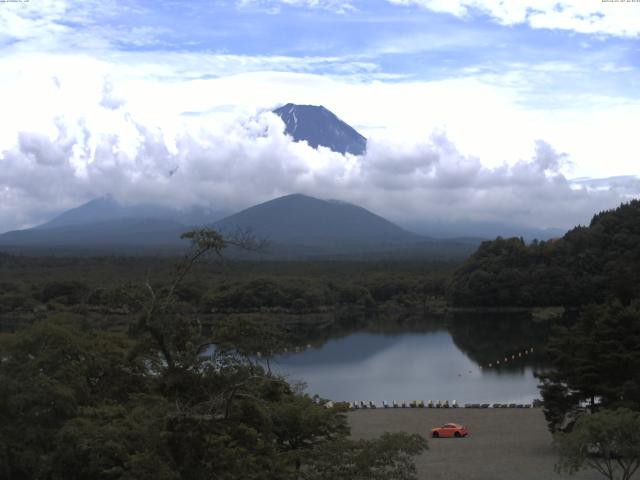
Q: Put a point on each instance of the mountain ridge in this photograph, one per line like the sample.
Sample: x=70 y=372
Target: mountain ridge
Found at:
x=104 y=209
x=298 y=226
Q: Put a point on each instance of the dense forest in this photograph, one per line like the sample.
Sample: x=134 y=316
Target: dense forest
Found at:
x=81 y=399
x=592 y=354
x=595 y=363
x=589 y=264
x=101 y=374
x=106 y=292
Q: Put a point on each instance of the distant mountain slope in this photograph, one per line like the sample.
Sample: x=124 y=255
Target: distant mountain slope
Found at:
x=318 y=126
x=106 y=209
x=482 y=230
x=107 y=236
x=103 y=225
x=325 y=225
x=297 y=227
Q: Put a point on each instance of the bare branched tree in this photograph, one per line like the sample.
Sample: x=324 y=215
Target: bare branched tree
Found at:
x=170 y=334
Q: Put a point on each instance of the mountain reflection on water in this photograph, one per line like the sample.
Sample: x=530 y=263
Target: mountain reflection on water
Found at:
x=434 y=363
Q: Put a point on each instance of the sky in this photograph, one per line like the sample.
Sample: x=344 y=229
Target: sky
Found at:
x=522 y=111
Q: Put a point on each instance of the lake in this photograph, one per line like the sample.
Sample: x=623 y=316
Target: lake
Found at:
x=410 y=366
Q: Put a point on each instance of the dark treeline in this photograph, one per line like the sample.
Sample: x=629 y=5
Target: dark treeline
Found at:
x=589 y=264
x=107 y=291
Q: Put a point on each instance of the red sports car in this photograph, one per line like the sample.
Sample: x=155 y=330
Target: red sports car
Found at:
x=449 y=430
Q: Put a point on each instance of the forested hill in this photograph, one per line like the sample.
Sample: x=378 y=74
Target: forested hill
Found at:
x=588 y=264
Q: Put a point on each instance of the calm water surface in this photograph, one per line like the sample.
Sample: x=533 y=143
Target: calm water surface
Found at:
x=409 y=366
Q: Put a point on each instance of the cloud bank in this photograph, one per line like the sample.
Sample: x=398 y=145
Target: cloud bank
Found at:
x=337 y=6
x=242 y=160
x=583 y=16
x=101 y=105
x=599 y=17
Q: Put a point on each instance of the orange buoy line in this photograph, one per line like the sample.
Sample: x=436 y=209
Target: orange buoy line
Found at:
x=506 y=359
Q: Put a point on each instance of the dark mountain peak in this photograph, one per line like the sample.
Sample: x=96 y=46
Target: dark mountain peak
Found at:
x=318 y=126
x=292 y=197
x=301 y=204
x=292 y=107
x=324 y=225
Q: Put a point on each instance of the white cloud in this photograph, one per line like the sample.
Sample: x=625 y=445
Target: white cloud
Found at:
x=184 y=128
x=244 y=160
x=583 y=16
x=485 y=115
x=66 y=25
x=337 y=6
x=82 y=127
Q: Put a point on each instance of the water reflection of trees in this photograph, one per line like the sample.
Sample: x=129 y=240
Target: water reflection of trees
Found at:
x=488 y=338
x=484 y=337
x=387 y=324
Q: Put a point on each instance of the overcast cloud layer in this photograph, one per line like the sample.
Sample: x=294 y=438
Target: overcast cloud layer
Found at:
x=519 y=112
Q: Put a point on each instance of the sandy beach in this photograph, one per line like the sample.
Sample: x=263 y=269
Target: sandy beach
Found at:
x=504 y=443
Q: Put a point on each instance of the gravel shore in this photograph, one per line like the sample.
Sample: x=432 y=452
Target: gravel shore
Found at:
x=504 y=444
